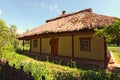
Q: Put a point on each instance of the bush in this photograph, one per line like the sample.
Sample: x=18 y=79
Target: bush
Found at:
x=95 y=75
x=63 y=76
x=52 y=71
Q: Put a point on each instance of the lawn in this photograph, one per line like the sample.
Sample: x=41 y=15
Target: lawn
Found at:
x=114 y=49
x=52 y=71
x=116 y=53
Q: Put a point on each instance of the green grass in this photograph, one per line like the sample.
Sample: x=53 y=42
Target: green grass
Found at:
x=27 y=47
x=116 y=53
x=117 y=57
x=56 y=72
x=114 y=49
x=39 y=68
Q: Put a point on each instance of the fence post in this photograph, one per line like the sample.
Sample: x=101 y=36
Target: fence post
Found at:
x=43 y=77
x=7 y=63
x=21 y=68
x=13 y=66
x=30 y=74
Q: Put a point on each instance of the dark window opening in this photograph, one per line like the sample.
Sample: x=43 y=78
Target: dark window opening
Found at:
x=85 y=44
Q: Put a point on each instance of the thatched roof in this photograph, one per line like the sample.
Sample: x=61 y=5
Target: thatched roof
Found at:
x=76 y=21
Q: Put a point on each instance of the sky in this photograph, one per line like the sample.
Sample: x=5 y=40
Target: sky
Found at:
x=28 y=14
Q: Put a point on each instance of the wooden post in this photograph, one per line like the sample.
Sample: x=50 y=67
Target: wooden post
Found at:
x=21 y=68
x=73 y=46
x=40 y=45
x=30 y=73
x=105 y=54
x=13 y=65
x=23 y=46
x=30 y=45
x=43 y=77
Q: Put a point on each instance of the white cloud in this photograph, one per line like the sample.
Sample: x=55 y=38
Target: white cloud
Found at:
x=20 y=31
x=0 y=12
x=53 y=7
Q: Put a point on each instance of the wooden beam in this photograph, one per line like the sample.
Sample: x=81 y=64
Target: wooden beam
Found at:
x=40 y=45
x=30 y=45
x=23 y=46
x=72 y=46
x=81 y=32
x=105 y=54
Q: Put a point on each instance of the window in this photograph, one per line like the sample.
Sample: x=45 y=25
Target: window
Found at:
x=85 y=44
x=35 y=42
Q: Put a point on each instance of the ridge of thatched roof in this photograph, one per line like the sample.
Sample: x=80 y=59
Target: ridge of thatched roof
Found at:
x=76 y=21
x=85 y=10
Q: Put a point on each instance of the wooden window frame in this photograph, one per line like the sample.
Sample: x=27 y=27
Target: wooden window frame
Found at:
x=82 y=43
x=35 y=43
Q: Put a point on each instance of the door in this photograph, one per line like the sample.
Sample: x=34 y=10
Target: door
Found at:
x=54 y=46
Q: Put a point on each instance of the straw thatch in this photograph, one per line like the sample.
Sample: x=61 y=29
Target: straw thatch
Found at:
x=76 y=21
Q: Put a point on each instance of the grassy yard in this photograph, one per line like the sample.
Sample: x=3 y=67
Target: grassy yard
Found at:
x=52 y=71
x=114 y=49
x=116 y=53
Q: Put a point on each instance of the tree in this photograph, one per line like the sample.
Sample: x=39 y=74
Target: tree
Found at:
x=7 y=36
x=13 y=35
x=4 y=35
x=110 y=32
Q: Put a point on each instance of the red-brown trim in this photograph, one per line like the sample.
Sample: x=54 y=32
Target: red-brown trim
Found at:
x=105 y=53
x=73 y=47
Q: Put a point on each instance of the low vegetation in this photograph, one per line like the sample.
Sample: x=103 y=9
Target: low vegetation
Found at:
x=56 y=72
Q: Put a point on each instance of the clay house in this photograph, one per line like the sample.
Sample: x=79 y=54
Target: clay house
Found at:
x=71 y=35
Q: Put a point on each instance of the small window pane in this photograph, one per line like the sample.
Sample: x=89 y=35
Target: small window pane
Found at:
x=85 y=44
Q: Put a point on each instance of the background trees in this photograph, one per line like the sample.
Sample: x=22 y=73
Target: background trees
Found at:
x=7 y=36
x=110 y=32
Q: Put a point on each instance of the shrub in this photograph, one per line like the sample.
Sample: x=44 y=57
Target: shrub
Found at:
x=93 y=75
x=63 y=76
x=52 y=71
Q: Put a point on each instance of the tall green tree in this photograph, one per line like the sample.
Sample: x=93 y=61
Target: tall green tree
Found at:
x=7 y=36
x=110 y=32
x=13 y=36
x=4 y=35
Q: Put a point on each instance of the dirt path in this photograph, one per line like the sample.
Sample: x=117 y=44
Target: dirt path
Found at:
x=115 y=67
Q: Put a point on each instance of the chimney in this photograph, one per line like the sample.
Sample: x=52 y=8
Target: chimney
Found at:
x=63 y=12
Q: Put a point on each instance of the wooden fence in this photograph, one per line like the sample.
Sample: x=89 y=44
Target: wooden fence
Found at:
x=11 y=73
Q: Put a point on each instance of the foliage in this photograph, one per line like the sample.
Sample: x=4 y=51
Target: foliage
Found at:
x=4 y=34
x=7 y=37
x=56 y=72
x=110 y=32
x=95 y=75
x=63 y=76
